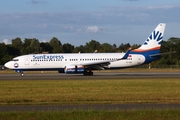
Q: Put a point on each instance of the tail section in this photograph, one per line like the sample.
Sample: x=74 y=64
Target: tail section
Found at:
x=153 y=42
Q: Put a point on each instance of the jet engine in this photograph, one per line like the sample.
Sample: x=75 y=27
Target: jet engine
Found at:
x=74 y=69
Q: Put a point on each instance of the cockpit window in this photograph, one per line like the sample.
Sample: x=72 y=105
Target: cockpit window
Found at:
x=15 y=60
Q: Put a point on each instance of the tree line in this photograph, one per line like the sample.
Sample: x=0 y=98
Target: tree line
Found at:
x=33 y=46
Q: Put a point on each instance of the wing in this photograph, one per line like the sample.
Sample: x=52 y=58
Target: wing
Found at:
x=100 y=65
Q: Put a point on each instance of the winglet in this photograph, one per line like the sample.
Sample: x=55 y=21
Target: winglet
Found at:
x=126 y=54
x=95 y=51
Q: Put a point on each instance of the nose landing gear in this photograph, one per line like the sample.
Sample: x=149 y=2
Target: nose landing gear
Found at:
x=21 y=72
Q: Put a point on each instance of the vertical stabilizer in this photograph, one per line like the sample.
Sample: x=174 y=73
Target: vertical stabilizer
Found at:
x=154 y=41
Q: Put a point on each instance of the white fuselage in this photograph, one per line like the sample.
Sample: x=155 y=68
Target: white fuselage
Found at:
x=60 y=61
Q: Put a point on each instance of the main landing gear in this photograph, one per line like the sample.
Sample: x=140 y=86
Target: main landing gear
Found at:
x=88 y=73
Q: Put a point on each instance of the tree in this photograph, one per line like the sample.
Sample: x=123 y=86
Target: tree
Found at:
x=105 y=47
x=114 y=47
x=68 y=48
x=3 y=49
x=124 y=47
x=35 y=46
x=17 y=44
x=92 y=46
x=26 y=46
x=135 y=46
x=46 y=47
x=80 y=49
x=56 y=45
x=173 y=45
x=12 y=51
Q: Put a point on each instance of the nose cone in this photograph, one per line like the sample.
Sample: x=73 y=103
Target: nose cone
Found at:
x=8 y=65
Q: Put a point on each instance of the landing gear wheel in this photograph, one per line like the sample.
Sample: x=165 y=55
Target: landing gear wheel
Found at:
x=85 y=73
x=22 y=74
x=88 y=73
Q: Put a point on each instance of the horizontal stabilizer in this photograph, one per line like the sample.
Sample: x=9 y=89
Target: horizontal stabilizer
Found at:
x=161 y=54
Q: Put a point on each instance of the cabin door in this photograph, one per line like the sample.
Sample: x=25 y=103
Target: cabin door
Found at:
x=27 y=61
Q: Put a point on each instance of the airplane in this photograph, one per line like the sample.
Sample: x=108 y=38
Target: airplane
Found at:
x=85 y=63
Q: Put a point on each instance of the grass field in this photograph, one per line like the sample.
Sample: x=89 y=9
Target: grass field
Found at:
x=42 y=92
x=23 y=92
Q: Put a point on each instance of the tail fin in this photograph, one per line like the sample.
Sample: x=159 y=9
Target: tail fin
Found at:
x=153 y=42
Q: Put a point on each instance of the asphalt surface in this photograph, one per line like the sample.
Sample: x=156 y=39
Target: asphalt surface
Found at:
x=105 y=76
x=97 y=76
x=55 y=108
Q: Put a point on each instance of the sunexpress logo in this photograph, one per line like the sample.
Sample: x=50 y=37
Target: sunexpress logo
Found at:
x=156 y=35
x=47 y=57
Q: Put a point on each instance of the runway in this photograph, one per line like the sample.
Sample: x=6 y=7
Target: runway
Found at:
x=46 y=108
x=97 y=76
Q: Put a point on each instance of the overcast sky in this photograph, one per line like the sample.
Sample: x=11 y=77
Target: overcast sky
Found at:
x=79 y=21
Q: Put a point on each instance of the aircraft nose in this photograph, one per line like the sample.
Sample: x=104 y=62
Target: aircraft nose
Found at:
x=8 y=65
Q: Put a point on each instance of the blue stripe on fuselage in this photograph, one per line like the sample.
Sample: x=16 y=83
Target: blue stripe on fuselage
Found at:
x=147 y=54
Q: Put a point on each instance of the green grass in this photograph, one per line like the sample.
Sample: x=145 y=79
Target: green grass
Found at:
x=28 y=92
x=94 y=115
x=127 y=91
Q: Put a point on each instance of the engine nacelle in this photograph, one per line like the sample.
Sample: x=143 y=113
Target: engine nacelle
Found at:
x=74 y=69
